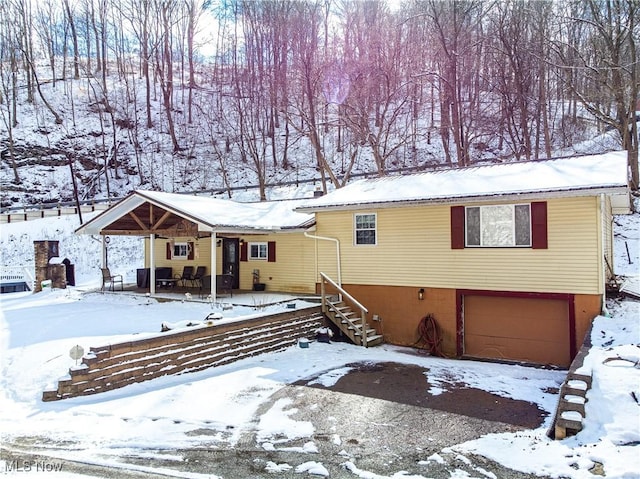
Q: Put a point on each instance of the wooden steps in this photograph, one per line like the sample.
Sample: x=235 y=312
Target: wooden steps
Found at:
x=351 y=324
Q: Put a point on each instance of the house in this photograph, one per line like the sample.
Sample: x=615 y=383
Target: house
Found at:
x=253 y=242
x=511 y=260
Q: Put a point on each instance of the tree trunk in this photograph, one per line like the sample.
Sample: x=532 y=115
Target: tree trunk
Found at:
x=74 y=35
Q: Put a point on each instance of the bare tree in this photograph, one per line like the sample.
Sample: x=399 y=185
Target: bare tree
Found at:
x=8 y=81
x=74 y=38
x=454 y=23
x=607 y=86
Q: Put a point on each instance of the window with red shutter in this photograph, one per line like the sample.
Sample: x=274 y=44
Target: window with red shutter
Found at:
x=491 y=226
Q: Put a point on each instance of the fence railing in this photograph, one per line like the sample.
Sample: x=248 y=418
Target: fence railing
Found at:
x=17 y=274
x=24 y=214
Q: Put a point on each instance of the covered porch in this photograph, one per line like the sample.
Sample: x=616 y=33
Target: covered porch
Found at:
x=194 y=245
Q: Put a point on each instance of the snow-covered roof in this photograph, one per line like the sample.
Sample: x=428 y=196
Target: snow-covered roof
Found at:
x=215 y=212
x=605 y=173
x=209 y=213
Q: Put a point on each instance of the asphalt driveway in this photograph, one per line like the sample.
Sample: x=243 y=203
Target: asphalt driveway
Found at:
x=375 y=421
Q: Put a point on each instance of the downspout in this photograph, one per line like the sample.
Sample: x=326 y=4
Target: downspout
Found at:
x=603 y=232
x=337 y=242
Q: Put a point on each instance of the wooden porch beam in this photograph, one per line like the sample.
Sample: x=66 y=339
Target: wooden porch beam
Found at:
x=160 y=221
x=125 y=232
x=142 y=226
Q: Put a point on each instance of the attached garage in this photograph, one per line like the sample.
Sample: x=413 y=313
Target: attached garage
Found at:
x=528 y=327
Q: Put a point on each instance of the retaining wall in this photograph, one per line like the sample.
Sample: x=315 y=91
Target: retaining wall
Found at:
x=177 y=352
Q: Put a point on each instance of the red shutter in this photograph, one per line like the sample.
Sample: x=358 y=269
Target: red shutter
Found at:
x=191 y=250
x=457 y=227
x=243 y=251
x=271 y=251
x=169 y=250
x=539 y=225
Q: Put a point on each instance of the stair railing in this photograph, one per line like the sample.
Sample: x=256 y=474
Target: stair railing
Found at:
x=326 y=304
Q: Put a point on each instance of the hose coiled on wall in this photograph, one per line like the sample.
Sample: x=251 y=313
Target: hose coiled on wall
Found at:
x=429 y=336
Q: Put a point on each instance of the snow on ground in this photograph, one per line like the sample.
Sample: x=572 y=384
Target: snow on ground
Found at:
x=38 y=330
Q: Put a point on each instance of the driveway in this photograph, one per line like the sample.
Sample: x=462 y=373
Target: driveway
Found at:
x=375 y=421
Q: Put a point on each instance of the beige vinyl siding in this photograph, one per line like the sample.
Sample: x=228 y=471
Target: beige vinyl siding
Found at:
x=414 y=248
x=202 y=254
x=293 y=270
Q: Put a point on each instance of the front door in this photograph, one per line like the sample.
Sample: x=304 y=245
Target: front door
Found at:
x=231 y=259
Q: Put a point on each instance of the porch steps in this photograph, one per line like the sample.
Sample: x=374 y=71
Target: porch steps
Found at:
x=350 y=324
x=178 y=352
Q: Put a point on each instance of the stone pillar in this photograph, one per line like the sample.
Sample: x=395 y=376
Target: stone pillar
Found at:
x=44 y=251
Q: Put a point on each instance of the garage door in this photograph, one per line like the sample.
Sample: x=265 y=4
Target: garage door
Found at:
x=520 y=329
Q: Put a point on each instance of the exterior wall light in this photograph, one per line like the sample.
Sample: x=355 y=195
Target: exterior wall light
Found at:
x=421 y=294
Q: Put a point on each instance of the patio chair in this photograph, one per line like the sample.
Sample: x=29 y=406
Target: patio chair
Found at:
x=187 y=275
x=224 y=282
x=196 y=280
x=111 y=279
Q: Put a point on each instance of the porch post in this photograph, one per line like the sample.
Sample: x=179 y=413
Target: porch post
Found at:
x=214 y=254
x=104 y=251
x=152 y=263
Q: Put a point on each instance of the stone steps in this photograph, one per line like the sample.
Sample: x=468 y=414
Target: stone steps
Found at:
x=570 y=411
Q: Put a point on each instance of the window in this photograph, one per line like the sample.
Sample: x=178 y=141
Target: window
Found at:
x=258 y=251
x=365 y=229
x=505 y=225
x=263 y=251
x=498 y=226
x=180 y=251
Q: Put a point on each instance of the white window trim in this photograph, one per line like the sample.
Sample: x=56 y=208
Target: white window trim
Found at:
x=355 y=229
x=186 y=249
x=513 y=230
x=258 y=258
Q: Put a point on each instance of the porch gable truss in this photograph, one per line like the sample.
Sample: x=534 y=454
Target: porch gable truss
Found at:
x=149 y=219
